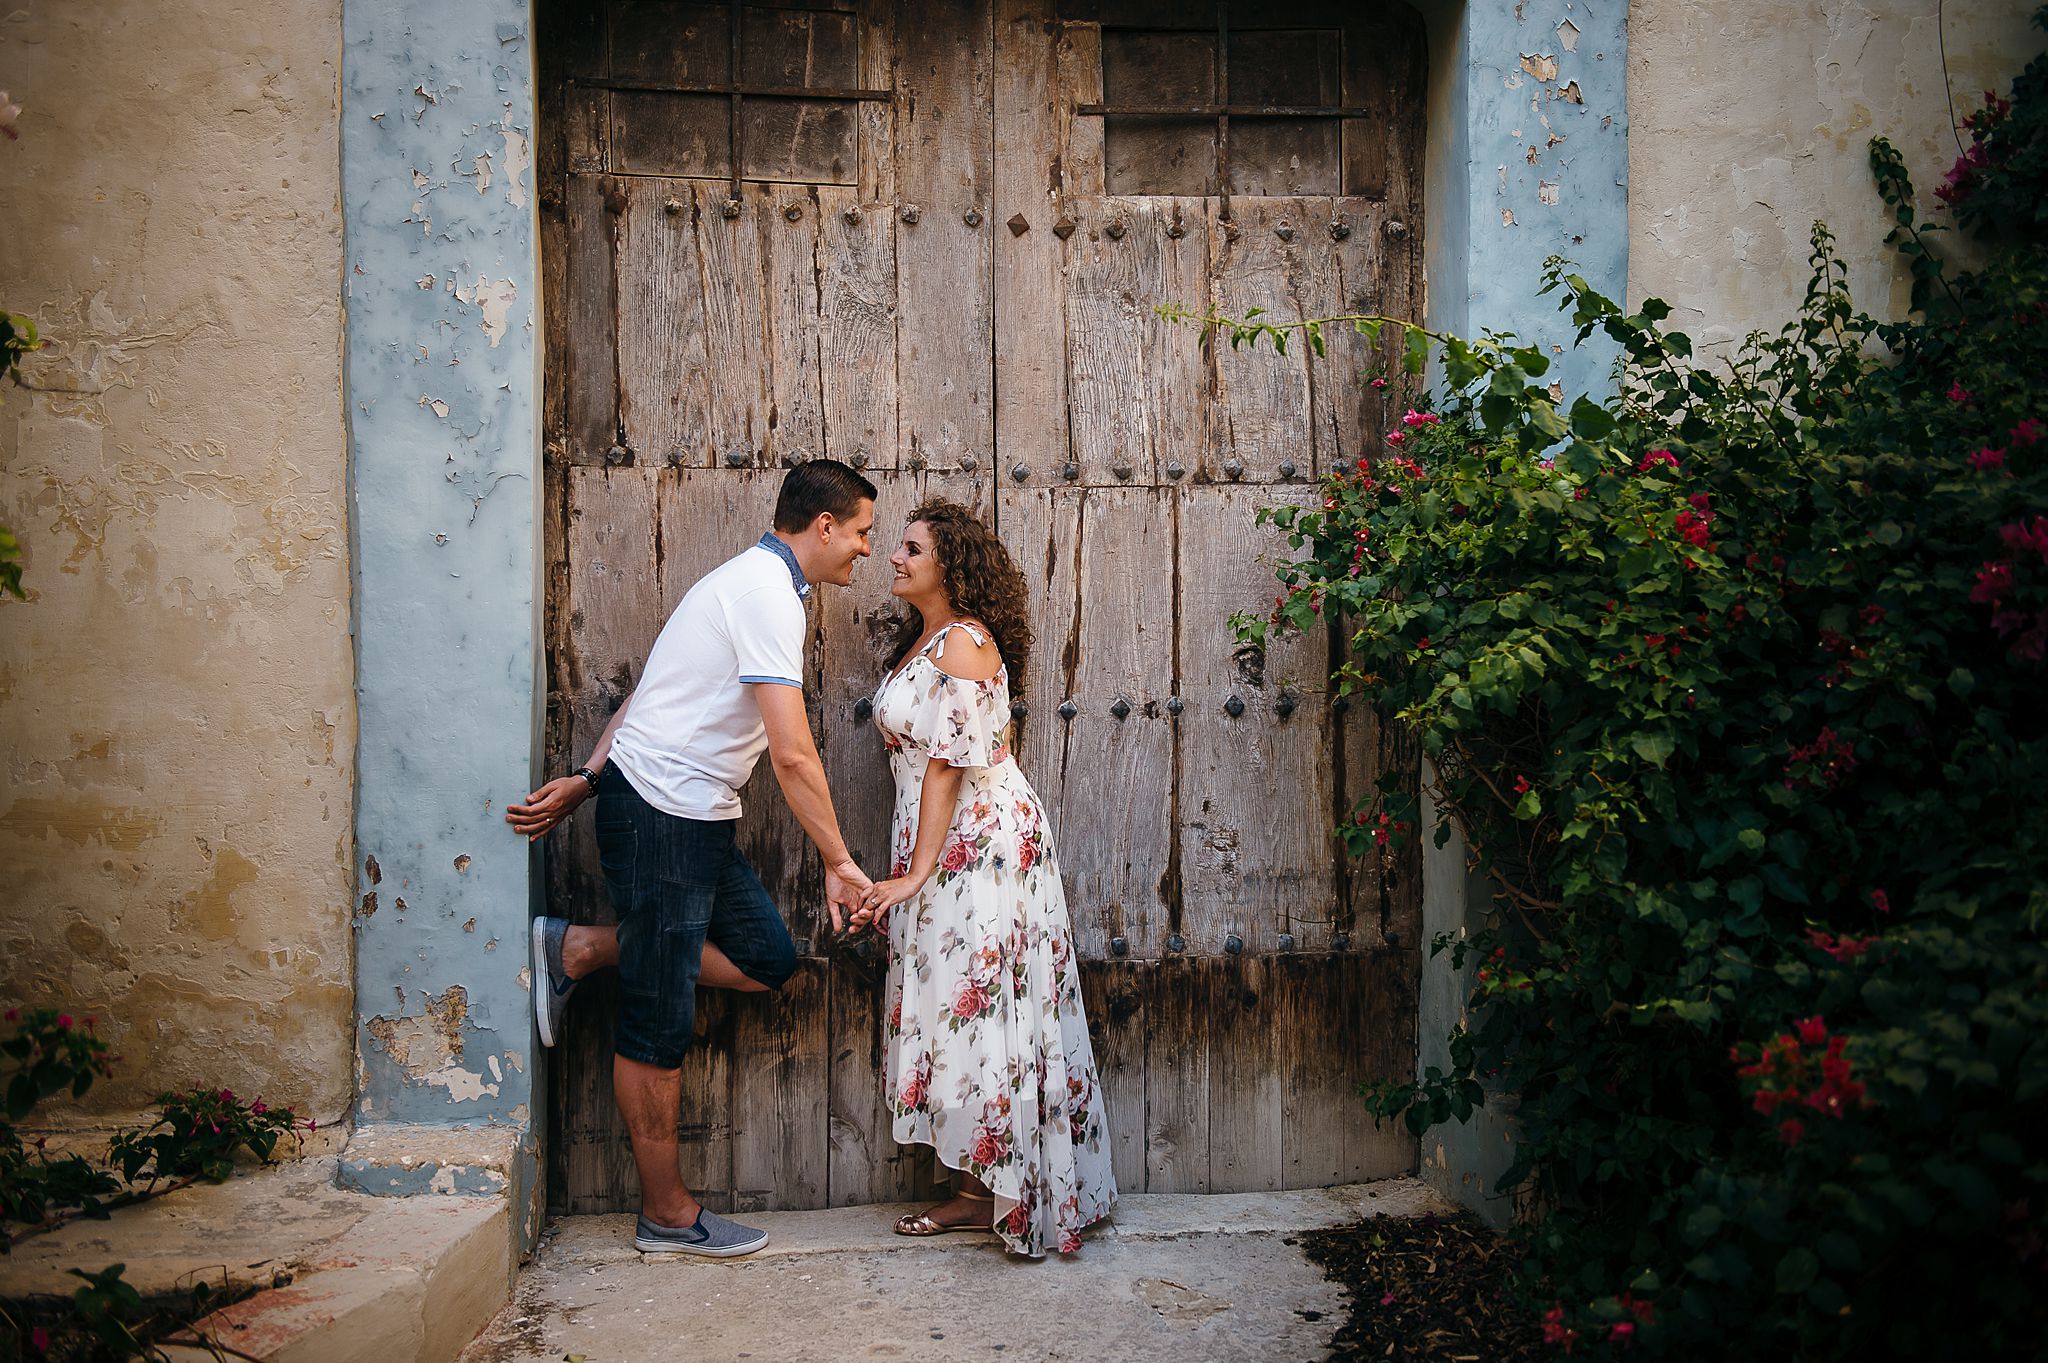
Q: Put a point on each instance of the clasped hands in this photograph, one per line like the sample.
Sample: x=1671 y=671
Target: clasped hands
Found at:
x=866 y=902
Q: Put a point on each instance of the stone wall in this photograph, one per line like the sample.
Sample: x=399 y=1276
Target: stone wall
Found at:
x=1747 y=121
x=177 y=720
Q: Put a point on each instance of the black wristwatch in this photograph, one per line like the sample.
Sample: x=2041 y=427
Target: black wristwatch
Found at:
x=588 y=775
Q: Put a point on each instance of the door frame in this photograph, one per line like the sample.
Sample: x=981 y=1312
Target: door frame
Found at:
x=442 y=234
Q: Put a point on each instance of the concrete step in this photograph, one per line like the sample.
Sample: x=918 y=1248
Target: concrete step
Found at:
x=343 y=1276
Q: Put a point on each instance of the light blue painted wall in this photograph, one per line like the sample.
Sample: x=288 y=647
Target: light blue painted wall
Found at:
x=1516 y=170
x=443 y=389
x=1492 y=214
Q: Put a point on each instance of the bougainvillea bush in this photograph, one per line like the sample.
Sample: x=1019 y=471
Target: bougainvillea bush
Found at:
x=1737 y=684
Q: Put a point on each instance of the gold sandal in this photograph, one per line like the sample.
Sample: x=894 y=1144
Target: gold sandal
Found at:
x=921 y=1223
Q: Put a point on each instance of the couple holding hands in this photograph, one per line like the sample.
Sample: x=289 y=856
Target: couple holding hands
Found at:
x=988 y=1058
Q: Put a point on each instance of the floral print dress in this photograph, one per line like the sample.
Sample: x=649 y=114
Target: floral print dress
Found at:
x=988 y=1057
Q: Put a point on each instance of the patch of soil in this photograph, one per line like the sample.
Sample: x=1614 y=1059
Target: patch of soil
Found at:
x=1432 y=1287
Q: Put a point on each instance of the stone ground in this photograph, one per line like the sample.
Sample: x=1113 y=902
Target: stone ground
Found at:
x=1185 y=1279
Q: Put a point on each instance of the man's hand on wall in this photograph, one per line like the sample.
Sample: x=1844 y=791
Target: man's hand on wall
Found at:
x=548 y=806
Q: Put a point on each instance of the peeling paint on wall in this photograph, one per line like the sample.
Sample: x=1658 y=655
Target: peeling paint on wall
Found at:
x=443 y=386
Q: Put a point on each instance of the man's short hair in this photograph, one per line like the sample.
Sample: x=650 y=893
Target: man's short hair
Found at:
x=815 y=487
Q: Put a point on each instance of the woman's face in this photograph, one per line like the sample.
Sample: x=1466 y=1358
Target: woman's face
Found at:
x=916 y=565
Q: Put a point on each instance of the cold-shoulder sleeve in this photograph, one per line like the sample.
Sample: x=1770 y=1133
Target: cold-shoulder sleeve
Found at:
x=958 y=721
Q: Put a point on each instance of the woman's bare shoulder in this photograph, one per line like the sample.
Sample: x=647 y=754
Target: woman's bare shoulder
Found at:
x=968 y=652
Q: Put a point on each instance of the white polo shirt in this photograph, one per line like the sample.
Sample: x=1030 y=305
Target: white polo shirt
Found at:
x=692 y=731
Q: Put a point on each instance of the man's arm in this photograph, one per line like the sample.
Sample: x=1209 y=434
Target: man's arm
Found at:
x=802 y=777
x=553 y=802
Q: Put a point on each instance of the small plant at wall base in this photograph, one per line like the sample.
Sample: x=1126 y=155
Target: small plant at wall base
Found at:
x=196 y=1135
x=1733 y=683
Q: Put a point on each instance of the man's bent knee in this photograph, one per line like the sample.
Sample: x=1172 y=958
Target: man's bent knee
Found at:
x=772 y=967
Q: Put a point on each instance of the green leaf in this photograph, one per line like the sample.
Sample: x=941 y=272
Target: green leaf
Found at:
x=1797 y=1270
x=1654 y=748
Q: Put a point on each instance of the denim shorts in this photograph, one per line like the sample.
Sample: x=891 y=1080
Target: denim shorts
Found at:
x=676 y=883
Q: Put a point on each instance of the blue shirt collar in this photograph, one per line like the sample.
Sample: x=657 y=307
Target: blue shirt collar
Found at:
x=774 y=544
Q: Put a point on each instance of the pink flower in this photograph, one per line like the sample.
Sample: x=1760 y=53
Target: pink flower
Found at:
x=1521 y=785
x=1812 y=1031
x=1414 y=418
x=2027 y=432
x=1622 y=1330
x=63 y=1022
x=2025 y=535
x=1986 y=459
x=1379 y=383
x=1656 y=457
x=971 y=1000
x=1880 y=901
x=1396 y=437
x=1994 y=582
x=1958 y=393
x=38 y=1338
x=1388 y=1299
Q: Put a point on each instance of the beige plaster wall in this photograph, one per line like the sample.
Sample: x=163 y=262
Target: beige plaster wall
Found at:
x=1748 y=120
x=177 y=725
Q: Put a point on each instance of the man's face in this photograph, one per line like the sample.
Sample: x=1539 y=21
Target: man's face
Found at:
x=845 y=542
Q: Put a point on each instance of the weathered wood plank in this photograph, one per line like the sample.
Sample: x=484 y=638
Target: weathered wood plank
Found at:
x=1386 y=70
x=1358 y=411
x=665 y=370
x=1108 y=322
x=789 y=256
x=800 y=141
x=669 y=43
x=705 y=1117
x=779 y=1069
x=857 y=336
x=1080 y=82
x=1254 y=847
x=1177 y=1087
x=1318 y=291
x=865 y=1164
x=1104 y=634
x=1375 y=1038
x=571 y=41
x=1114 y=993
x=1265 y=407
x=666 y=134
x=945 y=262
x=1317 y=1066
x=876 y=134
x=590 y=385
x=1146 y=155
x=1247 y=1092
x=1174 y=267
x=1030 y=356
x=735 y=322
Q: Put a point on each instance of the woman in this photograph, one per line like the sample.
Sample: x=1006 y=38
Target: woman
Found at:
x=988 y=1054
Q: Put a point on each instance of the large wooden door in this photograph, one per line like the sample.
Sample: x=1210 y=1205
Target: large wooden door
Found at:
x=926 y=237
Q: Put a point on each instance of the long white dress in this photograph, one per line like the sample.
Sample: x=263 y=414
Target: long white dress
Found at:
x=988 y=1054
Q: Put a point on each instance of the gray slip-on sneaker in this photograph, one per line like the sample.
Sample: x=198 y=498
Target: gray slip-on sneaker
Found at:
x=712 y=1236
x=552 y=986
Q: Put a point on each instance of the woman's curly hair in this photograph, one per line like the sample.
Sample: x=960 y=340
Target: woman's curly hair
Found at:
x=981 y=581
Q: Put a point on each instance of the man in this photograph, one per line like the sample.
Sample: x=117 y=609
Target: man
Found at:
x=724 y=680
